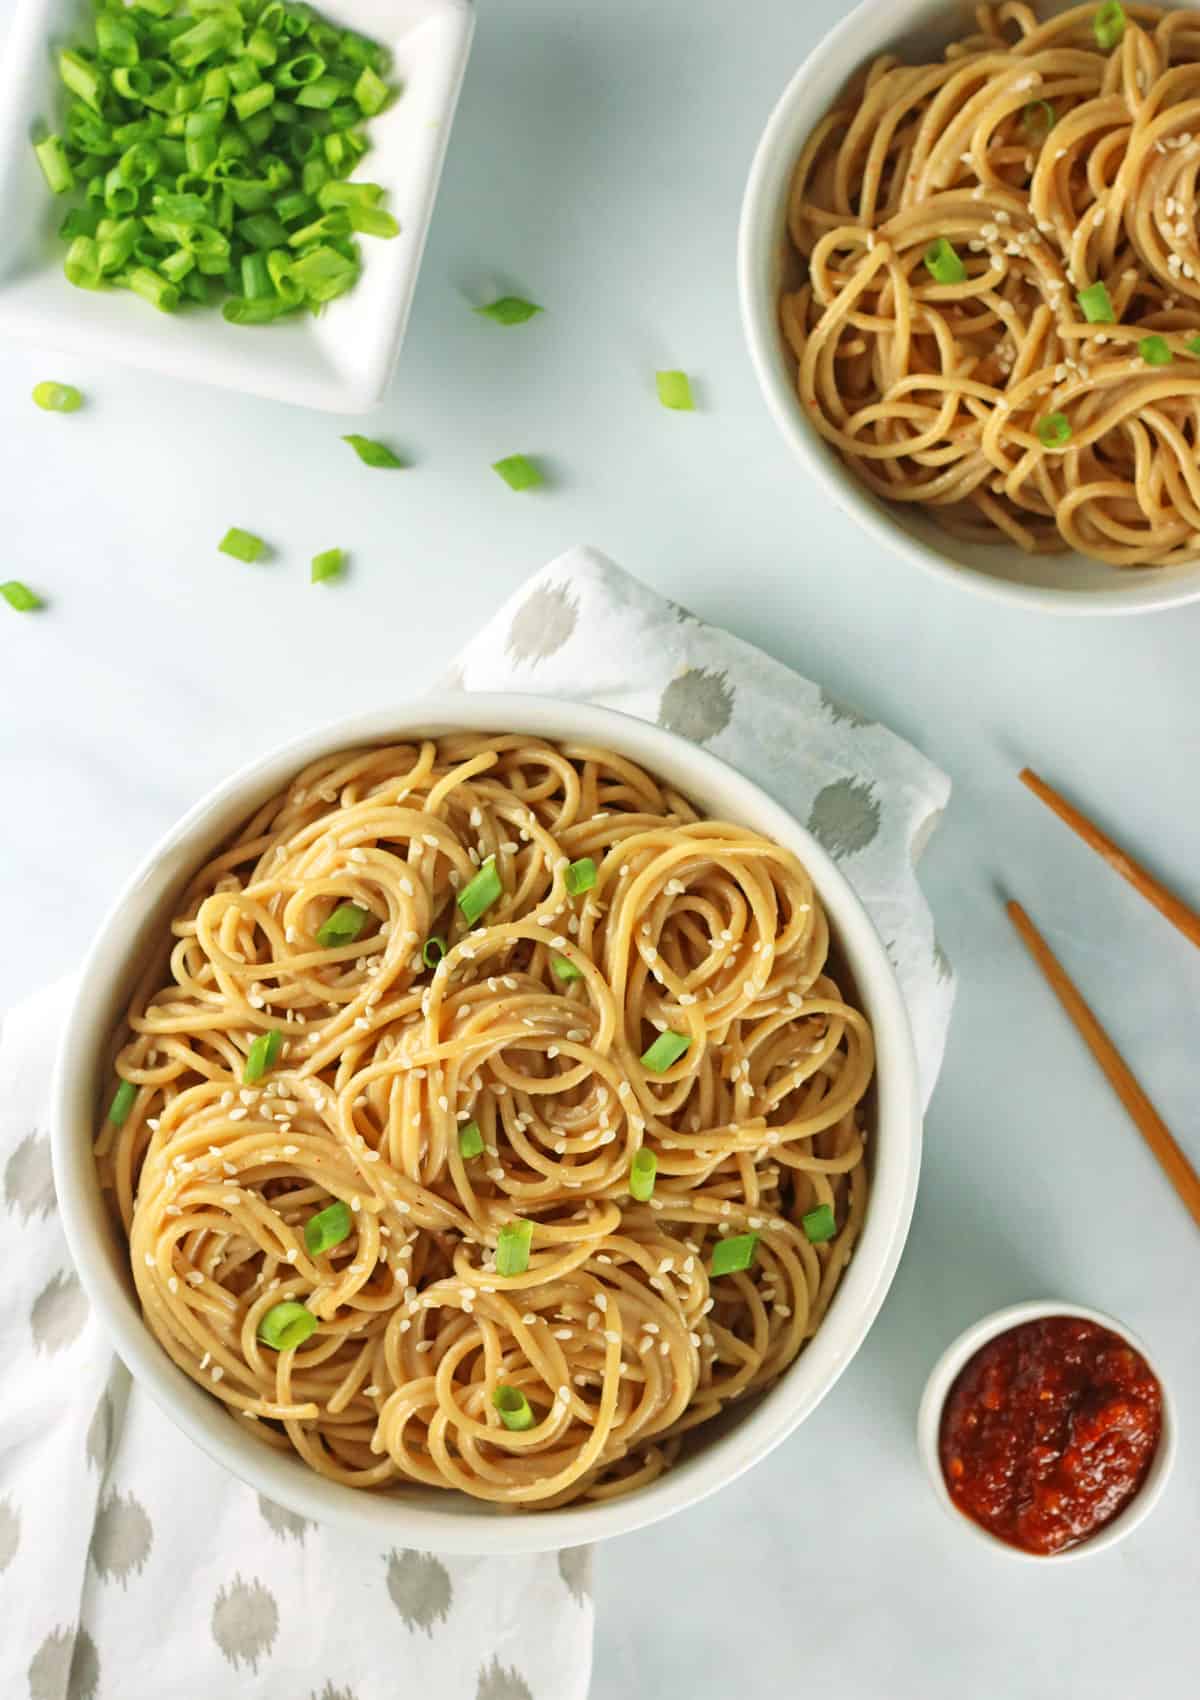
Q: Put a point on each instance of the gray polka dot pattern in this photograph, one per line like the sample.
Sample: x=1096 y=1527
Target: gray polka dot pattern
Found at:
x=245 y=1622
x=845 y=816
x=841 y=713
x=121 y=1539
x=501 y=1682
x=288 y=1525
x=100 y=1433
x=575 y=1568
x=65 y=1667
x=420 y=1588
x=542 y=624
x=29 y=1179
x=59 y=1313
x=697 y=705
x=10 y=1533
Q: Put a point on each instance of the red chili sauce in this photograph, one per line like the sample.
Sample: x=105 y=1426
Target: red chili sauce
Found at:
x=1048 y=1432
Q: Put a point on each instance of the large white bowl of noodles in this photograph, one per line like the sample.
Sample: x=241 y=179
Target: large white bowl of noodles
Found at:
x=425 y=1517
x=916 y=32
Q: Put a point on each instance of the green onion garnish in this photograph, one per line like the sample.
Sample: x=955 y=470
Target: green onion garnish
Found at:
x=564 y=969
x=514 y=1408
x=56 y=167
x=57 y=398
x=242 y=545
x=737 y=1252
x=1095 y=304
x=819 y=1224
x=329 y=1227
x=470 y=1140
x=1039 y=118
x=481 y=892
x=675 y=391
x=433 y=950
x=518 y=472
x=943 y=264
x=1155 y=351
x=287 y=1325
x=1193 y=347
x=509 y=310
x=343 y=926
x=262 y=1056
x=512 y=1248
x=1054 y=430
x=1108 y=25
x=666 y=1049
x=328 y=565
x=370 y=452
x=642 y=1172
x=581 y=876
x=20 y=597
x=123 y=1101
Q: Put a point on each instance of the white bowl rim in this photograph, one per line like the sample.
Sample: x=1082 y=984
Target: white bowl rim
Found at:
x=760 y=329
x=864 y=1285
x=941 y=1379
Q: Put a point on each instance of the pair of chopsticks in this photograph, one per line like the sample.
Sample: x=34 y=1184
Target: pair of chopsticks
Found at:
x=1149 y=1123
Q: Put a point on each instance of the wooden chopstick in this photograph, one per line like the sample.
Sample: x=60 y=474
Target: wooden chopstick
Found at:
x=1149 y=1123
x=1140 y=878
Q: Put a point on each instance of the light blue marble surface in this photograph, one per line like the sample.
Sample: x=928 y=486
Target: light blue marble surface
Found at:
x=597 y=165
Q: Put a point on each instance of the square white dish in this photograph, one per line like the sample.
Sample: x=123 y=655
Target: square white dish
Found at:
x=340 y=361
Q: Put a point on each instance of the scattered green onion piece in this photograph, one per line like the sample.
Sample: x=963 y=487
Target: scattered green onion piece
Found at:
x=82 y=264
x=287 y=1325
x=675 y=391
x=509 y=310
x=564 y=969
x=943 y=262
x=433 y=950
x=335 y=194
x=57 y=398
x=470 y=1140
x=732 y=1254
x=1193 y=347
x=1155 y=351
x=321 y=94
x=262 y=1056
x=253 y=100
x=56 y=167
x=666 y=1050
x=372 y=453
x=479 y=893
x=518 y=472
x=819 y=1224
x=123 y=1101
x=116 y=41
x=328 y=1228
x=642 y=1173
x=373 y=221
x=370 y=92
x=1039 y=118
x=242 y=545
x=512 y=1248
x=325 y=274
x=1108 y=25
x=1054 y=430
x=514 y=1408
x=263 y=311
x=81 y=78
x=330 y=564
x=211 y=35
x=152 y=288
x=343 y=926
x=1095 y=304
x=256 y=279
x=580 y=876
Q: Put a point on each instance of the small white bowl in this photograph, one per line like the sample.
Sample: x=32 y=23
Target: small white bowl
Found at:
x=425 y=1517
x=1055 y=584
x=937 y=1389
x=341 y=361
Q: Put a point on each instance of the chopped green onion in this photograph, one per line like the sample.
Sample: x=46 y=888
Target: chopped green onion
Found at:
x=470 y=1140
x=372 y=221
x=372 y=453
x=57 y=398
x=371 y=92
x=56 y=167
x=666 y=1050
x=675 y=391
x=1054 y=430
x=518 y=472
x=514 y=1408
x=509 y=310
x=20 y=597
x=433 y=950
x=730 y=1255
x=943 y=263
x=1095 y=304
x=343 y=926
x=262 y=1056
x=581 y=876
x=123 y=1102
x=642 y=1172
x=512 y=1248
x=330 y=564
x=287 y=1325
x=819 y=1224
x=81 y=78
x=328 y=1228
x=1155 y=351
x=1193 y=347
x=480 y=893
x=1108 y=25
x=152 y=288
x=242 y=545
x=1039 y=118
x=564 y=969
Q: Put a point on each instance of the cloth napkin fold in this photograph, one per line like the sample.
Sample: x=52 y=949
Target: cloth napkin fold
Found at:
x=134 y=1568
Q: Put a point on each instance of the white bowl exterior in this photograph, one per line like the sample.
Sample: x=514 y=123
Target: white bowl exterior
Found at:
x=341 y=361
x=426 y=1517
x=1048 y=583
x=942 y=1377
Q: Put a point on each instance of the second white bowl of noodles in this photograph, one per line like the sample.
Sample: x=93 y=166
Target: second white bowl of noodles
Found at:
x=913 y=30
x=428 y=1518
